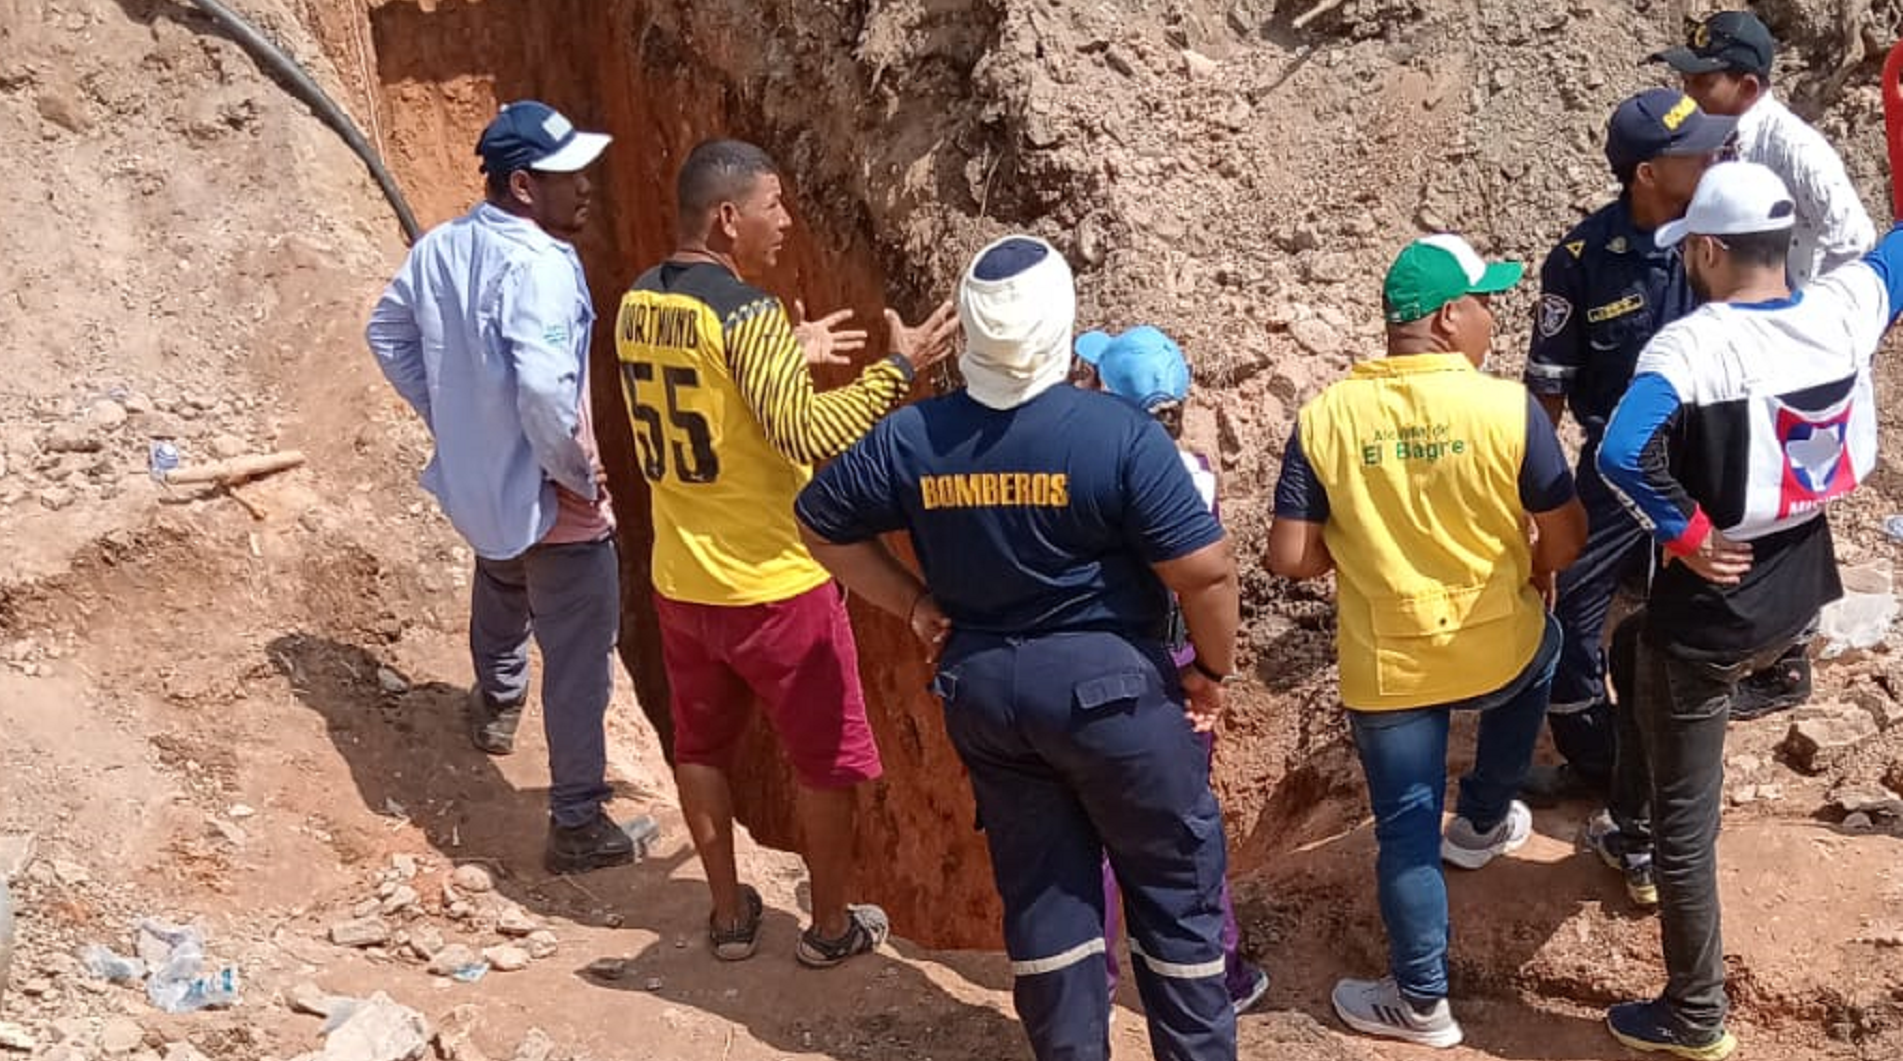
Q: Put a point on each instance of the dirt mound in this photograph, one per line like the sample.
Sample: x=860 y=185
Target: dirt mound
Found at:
x=242 y=719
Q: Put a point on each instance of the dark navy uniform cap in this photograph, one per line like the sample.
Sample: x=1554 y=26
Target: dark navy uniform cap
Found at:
x=1662 y=122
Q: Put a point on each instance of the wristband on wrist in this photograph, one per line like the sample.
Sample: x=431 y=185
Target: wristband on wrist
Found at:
x=1203 y=669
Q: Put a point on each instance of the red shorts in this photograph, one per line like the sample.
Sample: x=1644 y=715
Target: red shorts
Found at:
x=797 y=656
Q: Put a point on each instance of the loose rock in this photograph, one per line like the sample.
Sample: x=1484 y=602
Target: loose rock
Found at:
x=379 y=1030
x=1331 y=268
x=73 y=438
x=1872 y=801
x=455 y=1037
x=426 y=943
x=512 y=920
x=1815 y=743
x=451 y=958
x=16 y=853
x=402 y=898
x=1200 y=66
x=363 y=932
x=120 y=1036
x=15 y=1038
x=310 y=999
x=473 y=879
x=391 y=682
x=536 y=1046
x=541 y=944
x=506 y=958
x=1316 y=336
x=225 y=447
x=106 y=415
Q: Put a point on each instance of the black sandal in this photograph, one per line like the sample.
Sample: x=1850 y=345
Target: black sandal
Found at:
x=737 y=943
x=866 y=928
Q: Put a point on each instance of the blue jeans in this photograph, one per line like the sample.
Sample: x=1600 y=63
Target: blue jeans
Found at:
x=1404 y=755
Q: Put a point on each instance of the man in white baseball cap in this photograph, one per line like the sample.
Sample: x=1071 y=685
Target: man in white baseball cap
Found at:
x=1744 y=420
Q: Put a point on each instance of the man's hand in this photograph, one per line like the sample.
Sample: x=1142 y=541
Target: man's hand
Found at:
x=1202 y=700
x=824 y=341
x=930 y=625
x=927 y=344
x=1718 y=559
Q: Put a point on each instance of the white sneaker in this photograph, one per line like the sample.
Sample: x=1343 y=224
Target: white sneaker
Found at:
x=1468 y=848
x=1376 y=1007
x=1258 y=986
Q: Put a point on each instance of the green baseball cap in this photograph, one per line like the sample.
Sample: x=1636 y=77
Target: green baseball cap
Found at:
x=1435 y=270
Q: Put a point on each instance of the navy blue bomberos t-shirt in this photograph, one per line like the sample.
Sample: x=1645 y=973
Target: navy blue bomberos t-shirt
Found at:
x=1039 y=519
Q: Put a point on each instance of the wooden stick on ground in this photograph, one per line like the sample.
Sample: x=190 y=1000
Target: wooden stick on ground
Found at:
x=1315 y=12
x=258 y=512
x=237 y=469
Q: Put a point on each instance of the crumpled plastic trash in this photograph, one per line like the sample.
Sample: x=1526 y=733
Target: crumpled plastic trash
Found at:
x=1861 y=618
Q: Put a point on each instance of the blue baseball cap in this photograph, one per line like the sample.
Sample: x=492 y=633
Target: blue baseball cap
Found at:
x=529 y=134
x=1662 y=122
x=1142 y=365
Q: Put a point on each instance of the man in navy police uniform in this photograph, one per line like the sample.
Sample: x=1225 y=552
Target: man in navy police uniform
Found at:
x=1053 y=524
x=1604 y=291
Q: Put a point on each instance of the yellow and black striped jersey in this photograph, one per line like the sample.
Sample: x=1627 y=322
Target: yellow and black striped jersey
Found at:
x=727 y=425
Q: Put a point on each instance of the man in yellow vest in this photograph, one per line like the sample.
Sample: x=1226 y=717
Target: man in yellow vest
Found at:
x=1414 y=480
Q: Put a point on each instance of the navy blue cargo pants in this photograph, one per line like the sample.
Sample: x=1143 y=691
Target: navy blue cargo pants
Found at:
x=1617 y=549
x=1077 y=746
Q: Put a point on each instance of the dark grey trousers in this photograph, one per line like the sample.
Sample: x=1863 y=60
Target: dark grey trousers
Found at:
x=1668 y=791
x=569 y=598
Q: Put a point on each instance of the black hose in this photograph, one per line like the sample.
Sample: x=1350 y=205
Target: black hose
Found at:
x=265 y=51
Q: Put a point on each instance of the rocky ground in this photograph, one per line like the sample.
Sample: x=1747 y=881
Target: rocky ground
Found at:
x=238 y=709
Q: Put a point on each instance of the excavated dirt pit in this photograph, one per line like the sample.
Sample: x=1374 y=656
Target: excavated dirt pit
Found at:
x=440 y=75
x=660 y=82
x=171 y=659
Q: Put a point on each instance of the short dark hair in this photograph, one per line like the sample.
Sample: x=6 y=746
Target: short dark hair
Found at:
x=1759 y=250
x=498 y=183
x=719 y=171
x=1170 y=415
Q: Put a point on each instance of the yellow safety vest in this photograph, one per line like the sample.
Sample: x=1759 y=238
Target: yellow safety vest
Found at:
x=1420 y=457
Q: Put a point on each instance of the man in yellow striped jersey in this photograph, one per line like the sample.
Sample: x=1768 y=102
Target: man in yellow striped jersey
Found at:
x=727 y=425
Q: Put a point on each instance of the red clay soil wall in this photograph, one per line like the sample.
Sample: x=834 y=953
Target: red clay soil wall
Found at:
x=440 y=70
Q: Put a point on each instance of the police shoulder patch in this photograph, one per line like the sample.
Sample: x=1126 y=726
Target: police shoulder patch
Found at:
x=1577 y=247
x=1554 y=312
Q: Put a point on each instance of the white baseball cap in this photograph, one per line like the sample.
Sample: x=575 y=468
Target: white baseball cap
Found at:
x=1733 y=198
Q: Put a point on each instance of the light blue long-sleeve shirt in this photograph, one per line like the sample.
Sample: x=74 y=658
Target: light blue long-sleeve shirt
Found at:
x=485 y=332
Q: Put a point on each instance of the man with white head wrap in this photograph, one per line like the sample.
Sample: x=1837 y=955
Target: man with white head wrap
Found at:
x=1052 y=524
